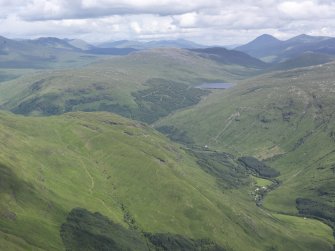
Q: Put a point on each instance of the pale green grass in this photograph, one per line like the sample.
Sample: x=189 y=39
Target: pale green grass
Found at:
x=261 y=182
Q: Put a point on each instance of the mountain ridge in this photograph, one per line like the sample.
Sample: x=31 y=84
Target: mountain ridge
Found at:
x=273 y=50
x=177 y=43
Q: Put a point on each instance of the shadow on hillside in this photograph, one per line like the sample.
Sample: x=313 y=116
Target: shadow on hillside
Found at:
x=84 y=230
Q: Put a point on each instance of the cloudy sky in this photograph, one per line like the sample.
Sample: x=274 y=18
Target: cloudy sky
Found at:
x=204 y=21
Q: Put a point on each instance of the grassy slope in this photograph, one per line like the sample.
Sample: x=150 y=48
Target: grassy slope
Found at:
x=23 y=55
x=112 y=82
x=61 y=60
x=105 y=163
x=285 y=115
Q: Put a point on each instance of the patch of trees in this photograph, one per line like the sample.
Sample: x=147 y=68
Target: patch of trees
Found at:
x=96 y=102
x=258 y=167
x=163 y=97
x=160 y=99
x=175 y=134
x=128 y=218
x=181 y=243
x=88 y=231
x=46 y=105
x=54 y=104
x=222 y=166
x=317 y=209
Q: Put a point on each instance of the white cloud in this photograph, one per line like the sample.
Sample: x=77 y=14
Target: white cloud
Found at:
x=136 y=27
x=307 y=9
x=207 y=21
x=187 y=19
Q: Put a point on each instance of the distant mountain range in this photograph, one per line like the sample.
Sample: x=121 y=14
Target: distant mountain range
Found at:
x=48 y=52
x=271 y=49
x=225 y=56
x=41 y=52
x=30 y=53
x=68 y=44
x=178 y=43
x=265 y=52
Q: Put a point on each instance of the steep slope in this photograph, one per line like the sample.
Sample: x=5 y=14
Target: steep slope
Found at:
x=285 y=118
x=79 y=46
x=53 y=42
x=304 y=60
x=40 y=54
x=263 y=47
x=270 y=49
x=146 y=85
x=52 y=166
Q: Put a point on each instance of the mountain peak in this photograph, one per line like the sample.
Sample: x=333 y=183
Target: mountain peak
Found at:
x=257 y=46
x=3 y=38
x=266 y=38
x=307 y=38
x=261 y=41
x=49 y=39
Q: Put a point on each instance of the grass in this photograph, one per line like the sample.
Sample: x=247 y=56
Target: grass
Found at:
x=143 y=85
x=128 y=172
x=137 y=178
x=283 y=118
x=315 y=229
x=260 y=182
x=258 y=167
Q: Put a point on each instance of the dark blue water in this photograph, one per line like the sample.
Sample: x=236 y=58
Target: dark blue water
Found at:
x=215 y=85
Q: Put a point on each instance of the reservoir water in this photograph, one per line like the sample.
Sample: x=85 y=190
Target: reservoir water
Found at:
x=215 y=85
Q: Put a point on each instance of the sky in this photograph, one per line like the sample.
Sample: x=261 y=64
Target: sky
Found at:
x=212 y=22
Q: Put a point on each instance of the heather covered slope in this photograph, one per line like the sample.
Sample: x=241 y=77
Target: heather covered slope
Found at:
x=133 y=176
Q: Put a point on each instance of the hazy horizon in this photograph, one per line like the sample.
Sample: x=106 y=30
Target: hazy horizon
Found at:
x=153 y=40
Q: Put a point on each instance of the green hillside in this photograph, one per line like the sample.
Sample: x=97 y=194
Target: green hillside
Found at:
x=304 y=60
x=284 y=118
x=255 y=169
x=143 y=187
x=143 y=86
